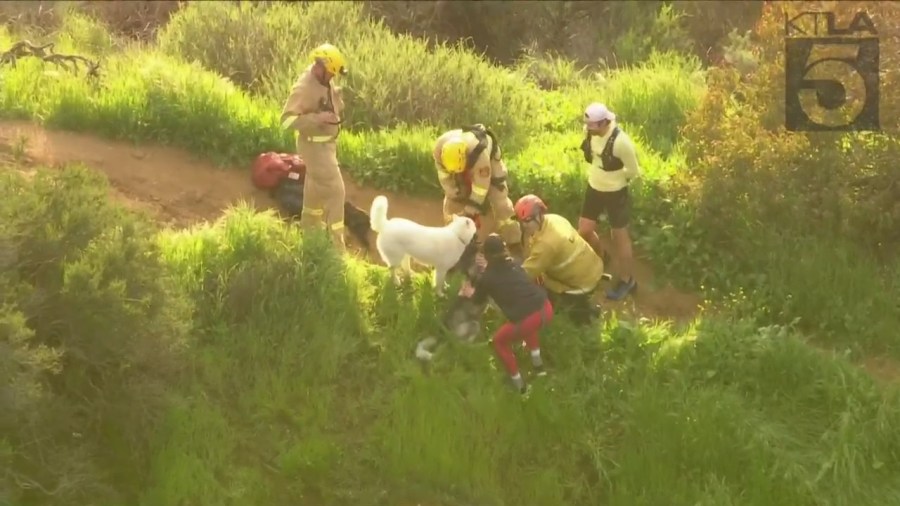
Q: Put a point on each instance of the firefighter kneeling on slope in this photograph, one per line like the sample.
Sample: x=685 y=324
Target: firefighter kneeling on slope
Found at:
x=472 y=175
x=560 y=259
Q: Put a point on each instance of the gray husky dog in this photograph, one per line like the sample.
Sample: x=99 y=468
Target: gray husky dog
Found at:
x=463 y=318
x=462 y=321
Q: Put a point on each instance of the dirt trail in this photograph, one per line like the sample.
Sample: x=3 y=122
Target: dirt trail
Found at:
x=179 y=189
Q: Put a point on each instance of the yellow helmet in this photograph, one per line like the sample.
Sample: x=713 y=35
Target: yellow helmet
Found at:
x=331 y=57
x=453 y=154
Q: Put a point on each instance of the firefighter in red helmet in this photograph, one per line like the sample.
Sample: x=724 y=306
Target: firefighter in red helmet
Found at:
x=559 y=258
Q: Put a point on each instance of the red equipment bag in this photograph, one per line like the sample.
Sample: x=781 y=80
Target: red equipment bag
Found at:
x=270 y=168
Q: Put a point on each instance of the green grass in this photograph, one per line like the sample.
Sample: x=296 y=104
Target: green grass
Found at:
x=277 y=407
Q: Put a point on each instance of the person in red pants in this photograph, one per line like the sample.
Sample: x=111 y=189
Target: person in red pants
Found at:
x=524 y=304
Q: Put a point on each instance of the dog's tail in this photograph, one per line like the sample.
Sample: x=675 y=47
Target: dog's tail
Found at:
x=378 y=213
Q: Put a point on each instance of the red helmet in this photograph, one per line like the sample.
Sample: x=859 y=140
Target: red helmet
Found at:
x=529 y=207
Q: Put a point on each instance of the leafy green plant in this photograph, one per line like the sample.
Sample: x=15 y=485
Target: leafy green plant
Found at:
x=95 y=329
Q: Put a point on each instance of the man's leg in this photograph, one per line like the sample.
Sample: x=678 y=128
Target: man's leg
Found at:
x=334 y=205
x=313 y=214
x=503 y=346
x=531 y=329
x=619 y=218
x=587 y=228
x=579 y=308
x=592 y=207
x=584 y=312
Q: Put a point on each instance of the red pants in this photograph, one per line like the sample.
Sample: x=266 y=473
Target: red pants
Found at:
x=525 y=331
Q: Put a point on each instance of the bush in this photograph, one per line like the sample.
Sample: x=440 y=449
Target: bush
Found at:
x=816 y=179
x=264 y=49
x=90 y=303
x=791 y=216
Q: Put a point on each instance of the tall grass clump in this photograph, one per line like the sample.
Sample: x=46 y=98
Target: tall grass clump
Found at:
x=258 y=46
x=86 y=34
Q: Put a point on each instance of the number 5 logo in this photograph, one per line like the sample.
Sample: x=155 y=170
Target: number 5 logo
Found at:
x=831 y=84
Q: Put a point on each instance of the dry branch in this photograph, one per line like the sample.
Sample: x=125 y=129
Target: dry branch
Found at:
x=25 y=48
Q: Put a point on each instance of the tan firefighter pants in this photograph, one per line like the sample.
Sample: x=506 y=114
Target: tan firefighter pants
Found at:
x=323 y=191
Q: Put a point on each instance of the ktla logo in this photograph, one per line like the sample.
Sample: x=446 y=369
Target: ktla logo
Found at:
x=831 y=73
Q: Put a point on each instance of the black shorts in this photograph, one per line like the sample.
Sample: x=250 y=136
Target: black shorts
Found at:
x=615 y=205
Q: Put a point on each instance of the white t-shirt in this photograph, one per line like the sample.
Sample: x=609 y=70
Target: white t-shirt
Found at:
x=623 y=149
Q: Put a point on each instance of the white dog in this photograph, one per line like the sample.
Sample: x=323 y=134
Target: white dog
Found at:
x=400 y=239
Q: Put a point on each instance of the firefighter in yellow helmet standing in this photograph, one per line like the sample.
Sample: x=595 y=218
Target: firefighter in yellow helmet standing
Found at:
x=473 y=176
x=314 y=108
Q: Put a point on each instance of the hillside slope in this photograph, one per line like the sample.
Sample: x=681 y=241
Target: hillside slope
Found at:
x=181 y=190
x=297 y=384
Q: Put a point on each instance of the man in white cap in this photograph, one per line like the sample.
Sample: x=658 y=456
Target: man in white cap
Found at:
x=614 y=165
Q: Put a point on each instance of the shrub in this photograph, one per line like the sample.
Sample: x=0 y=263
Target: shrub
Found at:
x=92 y=304
x=138 y=20
x=247 y=64
x=649 y=34
x=551 y=71
x=815 y=179
x=755 y=183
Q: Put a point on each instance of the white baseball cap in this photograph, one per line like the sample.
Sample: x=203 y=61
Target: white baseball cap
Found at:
x=598 y=112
